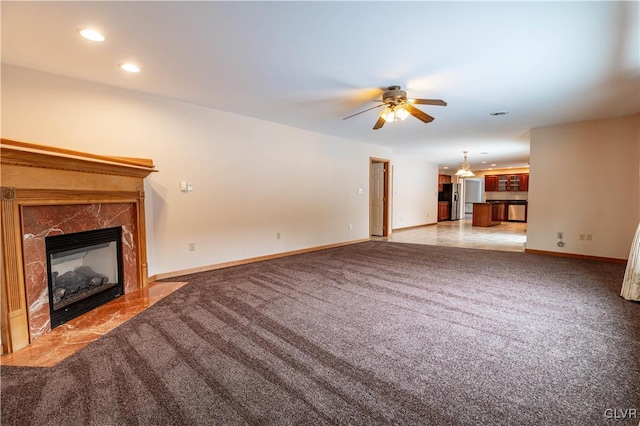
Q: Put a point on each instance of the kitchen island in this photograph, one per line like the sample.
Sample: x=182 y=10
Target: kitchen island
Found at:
x=483 y=214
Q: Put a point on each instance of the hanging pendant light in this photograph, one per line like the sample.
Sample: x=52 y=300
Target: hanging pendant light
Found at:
x=465 y=169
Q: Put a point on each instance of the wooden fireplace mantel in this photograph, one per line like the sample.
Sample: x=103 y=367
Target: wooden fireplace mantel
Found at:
x=26 y=154
x=38 y=175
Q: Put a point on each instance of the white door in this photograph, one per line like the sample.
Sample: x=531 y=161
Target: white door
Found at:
x=377 y=199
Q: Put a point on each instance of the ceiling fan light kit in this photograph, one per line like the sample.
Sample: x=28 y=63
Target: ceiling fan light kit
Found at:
x=398 y=107
x=394 y=114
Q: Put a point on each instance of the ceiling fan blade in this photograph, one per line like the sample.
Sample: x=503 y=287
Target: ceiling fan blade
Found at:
x=418 y=114
x=379 y=123
x=428 y=102
x=369 y=109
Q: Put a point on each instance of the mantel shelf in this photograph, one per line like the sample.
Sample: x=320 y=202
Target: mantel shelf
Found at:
x=26 y=154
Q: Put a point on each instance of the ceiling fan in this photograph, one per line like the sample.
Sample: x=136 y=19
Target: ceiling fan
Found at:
x=398 y=107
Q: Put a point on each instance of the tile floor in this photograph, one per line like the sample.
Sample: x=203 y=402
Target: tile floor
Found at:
x=508 y=236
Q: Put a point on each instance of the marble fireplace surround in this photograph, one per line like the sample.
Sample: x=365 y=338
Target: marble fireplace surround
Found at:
x=51 y=191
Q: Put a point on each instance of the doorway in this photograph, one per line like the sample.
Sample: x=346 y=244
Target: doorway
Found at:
x=473 y=190
x=379 y=197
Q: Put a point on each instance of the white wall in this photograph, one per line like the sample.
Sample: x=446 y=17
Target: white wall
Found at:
x=473 y=191
x=415 y=192
x=252 y=178
x=584 y=178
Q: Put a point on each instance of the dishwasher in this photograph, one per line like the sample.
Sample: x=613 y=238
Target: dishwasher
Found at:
x=517 y=212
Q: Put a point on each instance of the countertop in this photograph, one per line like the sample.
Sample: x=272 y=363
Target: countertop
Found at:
x=523 y=202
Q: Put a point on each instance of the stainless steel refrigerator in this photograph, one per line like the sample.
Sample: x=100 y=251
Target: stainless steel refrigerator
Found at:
x=451 y=193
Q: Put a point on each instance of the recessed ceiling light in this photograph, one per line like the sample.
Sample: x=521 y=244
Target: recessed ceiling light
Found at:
x=90 y=34
x=493 y=165
x=484 y=162
x=129 y=67
x=445 y=167
x=500 y=113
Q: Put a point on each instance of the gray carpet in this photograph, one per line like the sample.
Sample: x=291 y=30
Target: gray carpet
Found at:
x=374 y=333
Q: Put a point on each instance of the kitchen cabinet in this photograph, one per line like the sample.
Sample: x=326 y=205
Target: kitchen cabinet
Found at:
x=443 y=211
x=499 y=212
x=491 y=183
x=503 y=182
x=514 y=182
x=483 y=215
x=442 y=179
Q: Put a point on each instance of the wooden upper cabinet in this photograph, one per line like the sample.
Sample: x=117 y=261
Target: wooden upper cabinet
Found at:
x=515 y=182
x=491 y=183
x=503 y=182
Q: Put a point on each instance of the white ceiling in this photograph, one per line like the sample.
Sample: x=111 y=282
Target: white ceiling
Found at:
x=309 y=64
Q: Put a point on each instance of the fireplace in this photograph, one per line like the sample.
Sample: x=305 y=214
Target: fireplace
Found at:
x=84 y=271
x=49 y=193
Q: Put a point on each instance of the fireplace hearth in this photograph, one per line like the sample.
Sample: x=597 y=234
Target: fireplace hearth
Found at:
x=84 y=271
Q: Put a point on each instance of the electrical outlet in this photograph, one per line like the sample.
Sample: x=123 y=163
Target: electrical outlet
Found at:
x=277 y=235
x=589 y=237
x=350 y=227
x=192 y=246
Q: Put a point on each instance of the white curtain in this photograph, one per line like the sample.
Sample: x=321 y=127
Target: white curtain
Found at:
x=631 y=283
